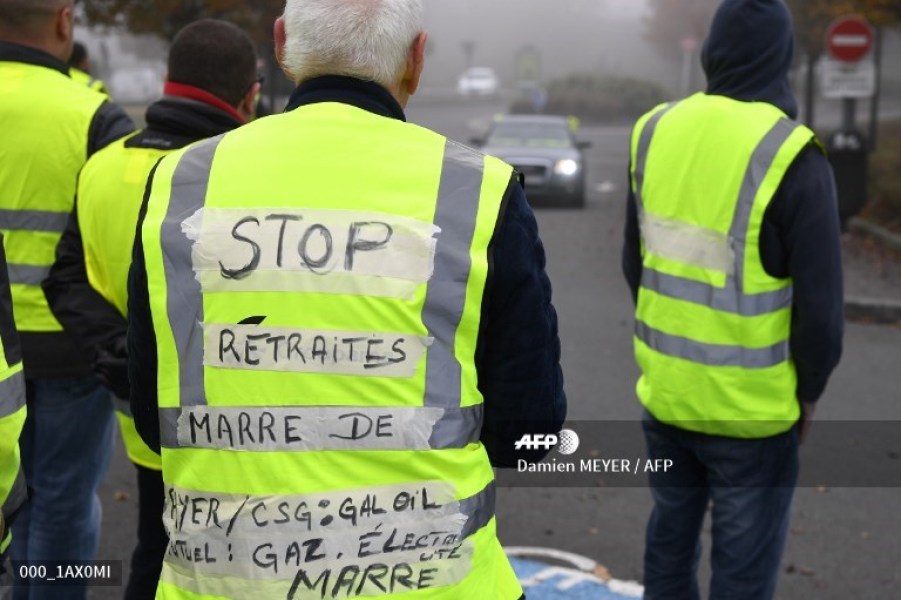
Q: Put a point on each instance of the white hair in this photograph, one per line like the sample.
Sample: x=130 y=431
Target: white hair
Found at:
x=368 y=39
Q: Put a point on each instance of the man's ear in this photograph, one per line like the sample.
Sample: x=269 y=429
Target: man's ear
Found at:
x=415 y=64
x=281 y=39
x=248 y=106
x=64 y=29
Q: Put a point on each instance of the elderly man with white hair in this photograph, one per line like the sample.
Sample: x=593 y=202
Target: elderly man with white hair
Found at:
x=339 y=322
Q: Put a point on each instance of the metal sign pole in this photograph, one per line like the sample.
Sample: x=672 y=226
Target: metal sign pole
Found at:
x=810 y=86
x=849 y=112
x=874 y=101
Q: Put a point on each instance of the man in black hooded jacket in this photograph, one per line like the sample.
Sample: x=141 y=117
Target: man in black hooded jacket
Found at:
x=723 y=401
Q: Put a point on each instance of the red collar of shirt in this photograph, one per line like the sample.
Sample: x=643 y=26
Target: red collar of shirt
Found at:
x=194 y=93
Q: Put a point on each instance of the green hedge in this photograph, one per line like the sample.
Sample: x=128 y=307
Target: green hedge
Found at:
x=593 y=98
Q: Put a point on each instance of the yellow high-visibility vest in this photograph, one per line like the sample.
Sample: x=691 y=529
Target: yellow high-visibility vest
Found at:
x=87 y=79
x=12 y=419
x=316 y=281
x=45 y=118
x=712 y=327
x=110 y=192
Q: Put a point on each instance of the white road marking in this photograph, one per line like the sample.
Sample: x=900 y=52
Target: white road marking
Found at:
x=607 y=187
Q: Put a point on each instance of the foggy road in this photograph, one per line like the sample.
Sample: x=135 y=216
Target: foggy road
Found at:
x=845 y=542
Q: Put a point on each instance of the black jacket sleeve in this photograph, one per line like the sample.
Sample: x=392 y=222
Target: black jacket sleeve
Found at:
x=110 y=123
x=631 y=259
x=95 y=325
x=518 y=357
x=801 y=239
x=142 y=363
x=9 y=338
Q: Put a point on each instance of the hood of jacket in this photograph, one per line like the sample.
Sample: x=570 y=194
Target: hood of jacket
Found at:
x=748 y=53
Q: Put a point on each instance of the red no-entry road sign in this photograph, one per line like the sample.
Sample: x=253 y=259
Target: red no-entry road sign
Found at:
x=849 y=39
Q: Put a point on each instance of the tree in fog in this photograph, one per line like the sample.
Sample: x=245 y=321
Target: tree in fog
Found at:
x=165 y=18
x=670 y=22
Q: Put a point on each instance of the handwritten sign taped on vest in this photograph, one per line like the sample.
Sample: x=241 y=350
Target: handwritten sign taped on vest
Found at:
x=325 y=251
x=336 y=544
x=259 y=348
x=311 y=428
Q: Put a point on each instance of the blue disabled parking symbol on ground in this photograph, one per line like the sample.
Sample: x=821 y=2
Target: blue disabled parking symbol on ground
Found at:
x=547 y=574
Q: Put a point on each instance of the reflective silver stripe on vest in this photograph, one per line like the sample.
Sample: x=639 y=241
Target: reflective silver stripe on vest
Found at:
x=729 y=298
x=721 y=299
x=479 y=509
x=314 y=428
x=185 y=300
x=33 y=220
x=18 y=494
x=12 y=395
x=713 y=355
x=641 y=156
x=761 y=162
x=27 y=274
x=456 y=212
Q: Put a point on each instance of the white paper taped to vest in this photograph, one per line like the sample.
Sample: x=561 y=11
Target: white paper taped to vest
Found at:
x=325 y=251
x=336 y=544
x=686 y=243
x=307 y=428
x=262 y=348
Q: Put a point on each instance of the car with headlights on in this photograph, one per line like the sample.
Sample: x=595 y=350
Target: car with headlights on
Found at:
x=544 y=149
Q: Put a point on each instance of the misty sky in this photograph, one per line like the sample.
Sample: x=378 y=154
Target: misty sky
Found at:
x=598 y=36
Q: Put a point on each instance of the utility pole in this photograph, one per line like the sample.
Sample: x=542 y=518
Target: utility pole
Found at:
x=469 y=52
x=874 y=101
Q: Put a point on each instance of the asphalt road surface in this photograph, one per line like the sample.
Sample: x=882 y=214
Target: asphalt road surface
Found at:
x=845 y=542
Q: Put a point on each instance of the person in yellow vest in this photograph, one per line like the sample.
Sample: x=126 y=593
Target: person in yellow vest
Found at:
x=338 y=323
x=211 y=88
x=50 y=125
x=80 y=69
x=732 y=253
x=13 y=493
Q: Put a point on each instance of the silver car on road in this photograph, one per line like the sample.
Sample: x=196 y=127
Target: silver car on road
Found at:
x=544 y=150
